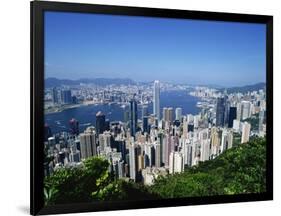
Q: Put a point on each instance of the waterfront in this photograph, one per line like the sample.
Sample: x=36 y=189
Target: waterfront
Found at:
x=59 y=121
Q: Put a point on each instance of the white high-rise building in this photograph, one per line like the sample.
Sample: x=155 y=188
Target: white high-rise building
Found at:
x=236 y=125
x=190 y=118
x=149 y=154
x=157 y=155
x=238 y=111
x=205 y=150
x=196 y=121
x=171 y=162
x=170 y=114
x=133 y=162
x=178 y=113
x=246 y=109
x=165 y=114
x=187 y=151
x=226 y=140
x=178 y=162
x=88 y=143
x=156 y=99
x=261 y=120
x=104 y=140
x=246 y=128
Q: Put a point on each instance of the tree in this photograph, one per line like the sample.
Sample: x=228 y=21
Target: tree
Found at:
x=239 y=170
x=76 y=184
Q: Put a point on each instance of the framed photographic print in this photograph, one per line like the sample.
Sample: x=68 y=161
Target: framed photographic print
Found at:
x=141 y=107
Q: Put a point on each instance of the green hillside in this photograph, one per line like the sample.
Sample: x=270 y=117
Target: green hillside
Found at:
x=241 y=169
x=238 y=170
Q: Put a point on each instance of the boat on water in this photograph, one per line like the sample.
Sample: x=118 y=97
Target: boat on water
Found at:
x=86 y=124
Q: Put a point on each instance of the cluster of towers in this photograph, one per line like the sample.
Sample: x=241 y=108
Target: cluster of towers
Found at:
x=147 y=145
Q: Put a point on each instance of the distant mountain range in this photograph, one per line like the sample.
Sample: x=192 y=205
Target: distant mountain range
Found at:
x=245 y=89
x=54 y=82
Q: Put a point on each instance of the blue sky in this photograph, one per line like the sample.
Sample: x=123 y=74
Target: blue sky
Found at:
x=144 y=49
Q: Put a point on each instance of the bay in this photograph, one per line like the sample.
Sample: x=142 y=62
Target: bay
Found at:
x=86 y=115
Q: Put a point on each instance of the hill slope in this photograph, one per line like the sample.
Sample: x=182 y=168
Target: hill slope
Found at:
x=245 y=89
x=238 y=170
x=54 y=82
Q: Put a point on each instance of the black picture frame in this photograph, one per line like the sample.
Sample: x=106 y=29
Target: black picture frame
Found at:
x=37 y=95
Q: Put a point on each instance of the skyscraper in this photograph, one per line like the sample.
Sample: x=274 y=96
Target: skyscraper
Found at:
x=104 y=140
x=231 y=116
x=157 y=155
x=140 y=162
x=126 y=115
x=156 y=99
x=148 y=154
x=66 y=96
x=55 y=96
x=168 y=114
x=145 y=118
x=246 y=109
x=226 y=140
x=167 y=144
x=215 y=141
x=133 y=162
x=88 y=143
x=144 y=111
x=100 y=122
x=178 y=113
x=261 y=121
x=74 y=126
x=176 y=162
x=226 y=111
x=145 y=124
x=236 y=125
x=165 y=114
x=220 y=111
x=133 y=117
x=171 y=162
x=246 y=128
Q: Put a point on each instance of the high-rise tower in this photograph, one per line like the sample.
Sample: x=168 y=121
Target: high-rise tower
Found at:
x=100 y=122
x=220 y=111
x=133 y=117
x=156 y=99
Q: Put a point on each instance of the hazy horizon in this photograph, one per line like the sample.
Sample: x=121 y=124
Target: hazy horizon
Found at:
x=151 y=81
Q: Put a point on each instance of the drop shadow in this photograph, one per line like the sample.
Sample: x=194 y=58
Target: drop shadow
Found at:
x=24 y=209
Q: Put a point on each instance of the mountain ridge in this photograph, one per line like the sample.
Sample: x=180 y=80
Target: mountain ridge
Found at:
x=55 y=82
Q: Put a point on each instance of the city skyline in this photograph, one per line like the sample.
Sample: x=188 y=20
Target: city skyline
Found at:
x=160 y=98
x=108 y=46
x=138 y=143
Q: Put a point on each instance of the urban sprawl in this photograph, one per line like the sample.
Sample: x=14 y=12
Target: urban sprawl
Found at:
x=142 y=147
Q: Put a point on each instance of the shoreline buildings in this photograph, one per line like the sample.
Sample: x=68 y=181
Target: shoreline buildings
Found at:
x=145 y=145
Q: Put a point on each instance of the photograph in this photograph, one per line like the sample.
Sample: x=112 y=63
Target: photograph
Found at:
x=152 y=108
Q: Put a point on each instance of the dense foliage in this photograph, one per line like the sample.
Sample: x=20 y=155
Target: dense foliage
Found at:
x=92 y=182
x=241 y=169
